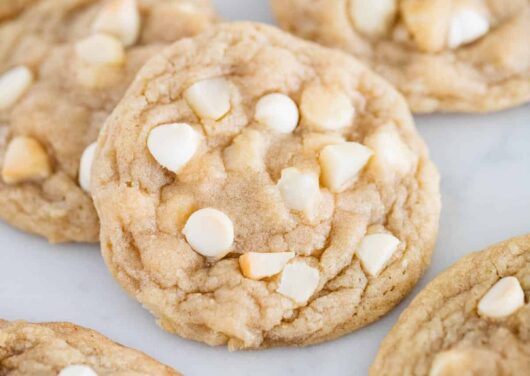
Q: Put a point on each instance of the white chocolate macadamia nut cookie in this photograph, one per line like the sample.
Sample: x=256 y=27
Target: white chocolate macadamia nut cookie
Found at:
x=472 y=319
x=443 y=55
x=64 y=65
x=257 y=238
x=64 y=349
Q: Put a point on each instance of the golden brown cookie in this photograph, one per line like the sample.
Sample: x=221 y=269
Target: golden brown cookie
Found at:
x=255 y=190
x=64 y=64
x=10 y=8
x=64 y=349
x=443 y=55
x=473 y=319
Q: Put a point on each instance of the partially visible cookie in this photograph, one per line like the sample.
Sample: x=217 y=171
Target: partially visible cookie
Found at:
x=255 y=189
x=64 y=349
x=64 y=64
x=443 y=55
x=473 y=319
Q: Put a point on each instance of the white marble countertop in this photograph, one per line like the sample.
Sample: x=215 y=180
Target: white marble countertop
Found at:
x=485 y=167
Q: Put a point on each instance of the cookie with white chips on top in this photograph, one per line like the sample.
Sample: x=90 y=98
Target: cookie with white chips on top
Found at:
x=472 y=319
x=64 y=64
x=255 y=189
x=443 y=55
x=64 y=349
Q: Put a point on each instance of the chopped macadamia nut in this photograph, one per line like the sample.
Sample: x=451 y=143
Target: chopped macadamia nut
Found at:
x=503 y=299
x=299 y=281
x=120 y=18
x=25 y=160
x=427 y=22
x=209 y=232
x=300 y=190
x=277 y=112
x=210 y=98
x=374 y=17
x=391 y=155
x=466 y=26
x=85 y=166
x=375 y=251
x=256 y=265
x=173 y=145
x=326 y=109
x=341 y=163
x=13 y=85
x=100 y=49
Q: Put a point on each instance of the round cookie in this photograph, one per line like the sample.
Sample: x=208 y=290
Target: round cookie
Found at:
x=472 y=319
x=443 y=55
x=64 y=349
x=64 y=64
x=255 y=189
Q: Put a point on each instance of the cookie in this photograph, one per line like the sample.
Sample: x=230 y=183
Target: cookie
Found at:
x=470 y=320
x=64 y=64
x=64 y=349
x=255 y=189
x=443 y=55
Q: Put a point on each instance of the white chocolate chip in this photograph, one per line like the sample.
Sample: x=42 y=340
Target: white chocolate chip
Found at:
x=100 y=49
x=374 y=17
x=504 y=298
x=77 y=370
x=13 y=84
x=209 y=232
x=391 y=154
x=25 y=160
x=300 y=190
x=120 y=18
x=173 y=145
x=299 y=281
x=375 y=251
x=210 y=98
x=466 y=26
x=341 y=164
x=256 y=265
x=85 y=166
x=326 y=109
x=278 y=112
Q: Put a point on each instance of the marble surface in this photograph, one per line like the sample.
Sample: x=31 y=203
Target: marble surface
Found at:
x=485 y=167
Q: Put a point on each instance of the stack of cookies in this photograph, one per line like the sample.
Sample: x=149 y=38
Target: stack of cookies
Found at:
x=254 y=189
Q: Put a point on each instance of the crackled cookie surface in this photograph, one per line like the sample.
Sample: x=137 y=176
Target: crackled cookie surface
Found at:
x=63 y=349
x=255 y=189
x=443 y=55
x=64 y=64
x=473 y=319
x=10 y=8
